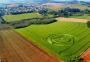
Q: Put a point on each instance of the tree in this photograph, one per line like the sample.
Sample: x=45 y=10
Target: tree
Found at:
x=1 y=18
x=43 y=12
x=87 y=11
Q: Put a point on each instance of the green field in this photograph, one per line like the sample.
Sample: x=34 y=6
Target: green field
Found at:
x=21 y=16
x=81 y=17
x=64 y=39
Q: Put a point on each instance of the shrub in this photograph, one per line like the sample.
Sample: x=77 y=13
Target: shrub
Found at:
x=88 y=24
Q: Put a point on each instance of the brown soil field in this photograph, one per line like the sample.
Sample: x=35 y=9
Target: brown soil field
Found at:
x=71 y=19
x=54 y=6
x=15 y=48
x=86 y=55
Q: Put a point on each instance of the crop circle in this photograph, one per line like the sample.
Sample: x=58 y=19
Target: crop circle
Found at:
x=61 y=39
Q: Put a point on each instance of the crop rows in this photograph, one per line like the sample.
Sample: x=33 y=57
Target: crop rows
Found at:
x=79 y=31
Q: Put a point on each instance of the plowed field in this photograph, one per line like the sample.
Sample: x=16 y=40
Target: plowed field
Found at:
x=15 y=48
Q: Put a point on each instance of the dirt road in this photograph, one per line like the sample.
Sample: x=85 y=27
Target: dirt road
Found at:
x=15 y=48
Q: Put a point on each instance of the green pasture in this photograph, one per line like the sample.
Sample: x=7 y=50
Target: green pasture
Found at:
x=63 y=39
x=21 y=16
x=81 y=17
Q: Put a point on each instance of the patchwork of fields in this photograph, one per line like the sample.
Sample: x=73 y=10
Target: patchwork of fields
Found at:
x=64 y=39
x=16 y=48
x=33 y=40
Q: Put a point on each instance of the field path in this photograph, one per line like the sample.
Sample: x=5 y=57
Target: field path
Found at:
x=72 y=19
x=15 y=48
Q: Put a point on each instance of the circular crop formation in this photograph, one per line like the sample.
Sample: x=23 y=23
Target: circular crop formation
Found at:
x=61 y=40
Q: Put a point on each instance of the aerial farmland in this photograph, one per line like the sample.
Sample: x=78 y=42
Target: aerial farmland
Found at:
x=45 y=32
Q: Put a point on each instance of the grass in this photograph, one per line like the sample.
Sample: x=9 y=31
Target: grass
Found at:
x=79 y=38
x=21 y=16
x=81 y=17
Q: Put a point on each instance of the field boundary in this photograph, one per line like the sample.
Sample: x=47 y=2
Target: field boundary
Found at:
x=41 y=49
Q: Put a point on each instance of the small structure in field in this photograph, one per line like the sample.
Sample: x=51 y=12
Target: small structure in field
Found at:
x=86 y=55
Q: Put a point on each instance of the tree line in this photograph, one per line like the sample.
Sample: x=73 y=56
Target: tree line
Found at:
x=27 y=22
x=66 y=12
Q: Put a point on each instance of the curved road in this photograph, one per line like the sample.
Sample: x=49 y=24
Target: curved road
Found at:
x=15 y=48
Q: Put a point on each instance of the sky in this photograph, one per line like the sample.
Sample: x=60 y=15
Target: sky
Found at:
x=7 y=1
x=68 y=0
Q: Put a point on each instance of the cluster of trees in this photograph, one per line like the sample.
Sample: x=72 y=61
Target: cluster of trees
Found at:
x=2 y=12
x=88 y=23
x=43 y=12
x=66 y=12
x=15 y=13
x=2 y=21
x=86 y=11
x=27 y=22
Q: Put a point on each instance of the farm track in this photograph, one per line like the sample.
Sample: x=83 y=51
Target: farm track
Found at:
x=15 y=48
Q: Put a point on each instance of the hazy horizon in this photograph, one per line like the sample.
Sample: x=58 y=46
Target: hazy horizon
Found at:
x=18 y=1
x=71 y=0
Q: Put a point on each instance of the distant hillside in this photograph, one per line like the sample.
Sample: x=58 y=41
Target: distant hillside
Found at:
x=80 y=6
x=59 y=5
